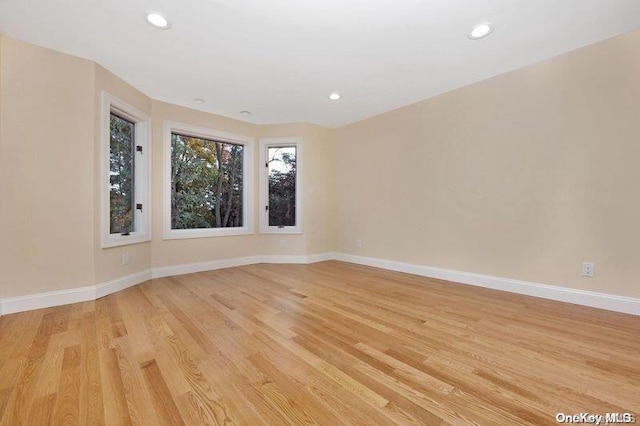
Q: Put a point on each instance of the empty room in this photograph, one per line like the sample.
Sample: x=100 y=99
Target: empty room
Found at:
x=363 y=212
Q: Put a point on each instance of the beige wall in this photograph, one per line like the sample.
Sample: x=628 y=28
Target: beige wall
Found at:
x=108 y=262
x=50 y=210
x=521 y=176
x=315 y=189
x=46 y=170
x=4 y=247
x=178 y=252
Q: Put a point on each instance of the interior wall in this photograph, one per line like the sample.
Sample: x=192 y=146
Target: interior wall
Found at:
x=50 y=107
x=522 y=176
x=46 y=170
x=316 y=172
x=3 y=244
x=315 y=238
x=108 y=262
x=192 y=250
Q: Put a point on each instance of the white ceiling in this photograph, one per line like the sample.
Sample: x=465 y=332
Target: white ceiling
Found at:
x=280 y=59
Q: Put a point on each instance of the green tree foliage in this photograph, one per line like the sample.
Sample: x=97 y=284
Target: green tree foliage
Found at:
x=206 y=183
x=282 y=186
x=121 y=168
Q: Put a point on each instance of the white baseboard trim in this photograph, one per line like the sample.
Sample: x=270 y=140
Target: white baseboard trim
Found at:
x=610 y=302
x=47 y=299
x=190 y=268
x=594 y=299
x=73 y=295
x=118 y=284
x=83 y=294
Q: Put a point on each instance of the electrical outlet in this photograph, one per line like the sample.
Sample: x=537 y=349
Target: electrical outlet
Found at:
x=358 y=243
x=588 y=269
x=125 y=258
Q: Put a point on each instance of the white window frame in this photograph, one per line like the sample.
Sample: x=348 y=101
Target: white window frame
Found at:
x=142 y=172
x=265 y=144
x=247 y=181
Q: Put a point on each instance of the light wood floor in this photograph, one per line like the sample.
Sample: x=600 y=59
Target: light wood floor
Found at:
x=329 y=343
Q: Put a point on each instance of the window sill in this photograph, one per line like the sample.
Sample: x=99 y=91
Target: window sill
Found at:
x=116 y=240
x=179 y=234
x=291 y=230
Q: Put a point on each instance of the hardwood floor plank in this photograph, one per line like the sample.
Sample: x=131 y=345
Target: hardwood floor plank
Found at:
x=138 y=400
x=42 y=410
x=332 y=394
x=297 y=391
x=5 y=394
x=113 y=392
x=91 y=399
x=11 y=372
x=161 y=395
x=207 y=405
x=327 y=343
x=23 y=393
x=67 y=410
x=17 y=336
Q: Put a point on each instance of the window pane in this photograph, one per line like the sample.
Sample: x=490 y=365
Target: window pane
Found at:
x=121 y=174
x=206 y=183
x=282 y=186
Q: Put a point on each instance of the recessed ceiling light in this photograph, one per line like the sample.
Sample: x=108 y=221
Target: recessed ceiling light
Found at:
x=245 y=113
x=158 y=20
x=481 y=31
x=198 y=101
x=334 y=96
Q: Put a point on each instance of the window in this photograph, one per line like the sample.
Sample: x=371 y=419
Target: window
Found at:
x=207 y=182
x=125 y=173
x=121 y=172
x=280 y=185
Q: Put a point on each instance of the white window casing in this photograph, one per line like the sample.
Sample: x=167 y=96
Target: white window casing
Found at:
x=247 y=184
x=142 y=172
x=265 y=144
